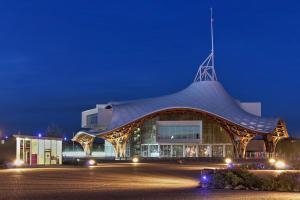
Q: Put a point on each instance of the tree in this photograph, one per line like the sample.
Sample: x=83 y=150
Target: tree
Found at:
x=54 y=131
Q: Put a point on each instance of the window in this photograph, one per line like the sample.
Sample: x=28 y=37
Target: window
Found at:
x=165 y=150
x=204 y=150
x=177 y=151
x=27 y=144
x=178 y=132
x=92 y=120
x=190 y=150
x=153 y=151
x=229 y=151
x=144 y=150
x=217 y=150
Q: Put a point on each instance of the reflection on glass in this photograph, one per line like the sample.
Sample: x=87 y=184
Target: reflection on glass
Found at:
x=217 y=150
x=190 y=150
x=204 y=151
x=165 y=150
x=177 y=151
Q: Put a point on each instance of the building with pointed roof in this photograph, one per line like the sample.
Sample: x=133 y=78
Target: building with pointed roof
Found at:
x=202 y=120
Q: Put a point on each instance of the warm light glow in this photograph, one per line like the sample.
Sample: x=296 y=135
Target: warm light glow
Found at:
x=92 y=162
x=228 y=161
x=135 y=160
x=272 y=161
x=19 y=162
x=280 y=164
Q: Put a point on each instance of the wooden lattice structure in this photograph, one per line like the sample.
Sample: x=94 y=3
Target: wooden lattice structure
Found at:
x=240 y=136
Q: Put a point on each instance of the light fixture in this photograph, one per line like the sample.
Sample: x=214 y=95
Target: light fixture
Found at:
x=92 y=162
x=272 y=161
x=135 y=160
x=19 y=162
x=280 y=164
x=228 y=161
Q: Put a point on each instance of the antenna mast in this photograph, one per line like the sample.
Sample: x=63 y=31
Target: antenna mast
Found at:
x=206 y=71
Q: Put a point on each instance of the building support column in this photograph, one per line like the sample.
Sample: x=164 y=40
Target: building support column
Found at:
x=270 y=144
x=240 y=143
x=119 y=145
x=119 y=141
x=87 y=144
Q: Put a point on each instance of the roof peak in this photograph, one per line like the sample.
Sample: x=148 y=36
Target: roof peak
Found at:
x=206 y=71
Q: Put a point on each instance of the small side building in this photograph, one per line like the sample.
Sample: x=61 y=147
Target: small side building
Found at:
x=31 y=150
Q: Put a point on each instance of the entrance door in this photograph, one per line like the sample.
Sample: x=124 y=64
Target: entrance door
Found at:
x=47 y=157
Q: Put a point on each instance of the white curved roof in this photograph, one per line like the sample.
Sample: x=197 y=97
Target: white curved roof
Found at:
x=205 y=96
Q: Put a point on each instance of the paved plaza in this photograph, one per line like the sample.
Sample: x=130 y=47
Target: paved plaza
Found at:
x=119 y=181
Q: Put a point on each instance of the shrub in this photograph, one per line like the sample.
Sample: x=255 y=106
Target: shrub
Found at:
x=268 y=183
x=288 y=182
x=219 y=180
x=244 y=179
x=249 y=179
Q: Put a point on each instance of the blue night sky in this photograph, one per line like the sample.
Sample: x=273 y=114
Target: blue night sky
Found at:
x=58 y=58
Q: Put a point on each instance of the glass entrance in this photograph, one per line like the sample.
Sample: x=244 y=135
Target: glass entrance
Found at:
x=47 y=157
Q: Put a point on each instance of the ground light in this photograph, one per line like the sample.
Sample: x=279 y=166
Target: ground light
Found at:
x=280 y=164
x=92 y=162
x=19 y=163
x=228 y=161
x=272 y=161
x=135 y=160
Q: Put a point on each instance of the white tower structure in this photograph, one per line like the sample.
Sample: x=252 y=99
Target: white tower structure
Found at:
x=206 y=71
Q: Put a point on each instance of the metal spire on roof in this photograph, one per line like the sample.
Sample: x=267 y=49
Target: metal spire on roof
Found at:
x=206 y=71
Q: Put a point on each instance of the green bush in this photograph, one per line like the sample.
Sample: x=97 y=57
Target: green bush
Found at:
x=219 y=180
x=239 y=178
x=288 y=182
x=268 y=183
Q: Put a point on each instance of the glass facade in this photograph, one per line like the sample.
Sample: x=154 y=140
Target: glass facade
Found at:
x=204 y=150
x=229 y=151
x=191 y=151
x=165 y=151
x=178 y=132
x=180 y=135
x=217 y=150
x=177 y=151
x=153 y=150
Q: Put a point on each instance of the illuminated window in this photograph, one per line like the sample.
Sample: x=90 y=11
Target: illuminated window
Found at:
x=177 y=150
x=179 y=132
x=204 y=150
x=190 y=150
x=165 y=150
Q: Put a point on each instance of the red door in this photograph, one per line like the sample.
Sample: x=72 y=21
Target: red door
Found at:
x=34 y=159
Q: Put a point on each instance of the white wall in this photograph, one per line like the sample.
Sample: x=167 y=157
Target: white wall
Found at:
x=38 y=146
x=104 y=116
x=84 y=114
